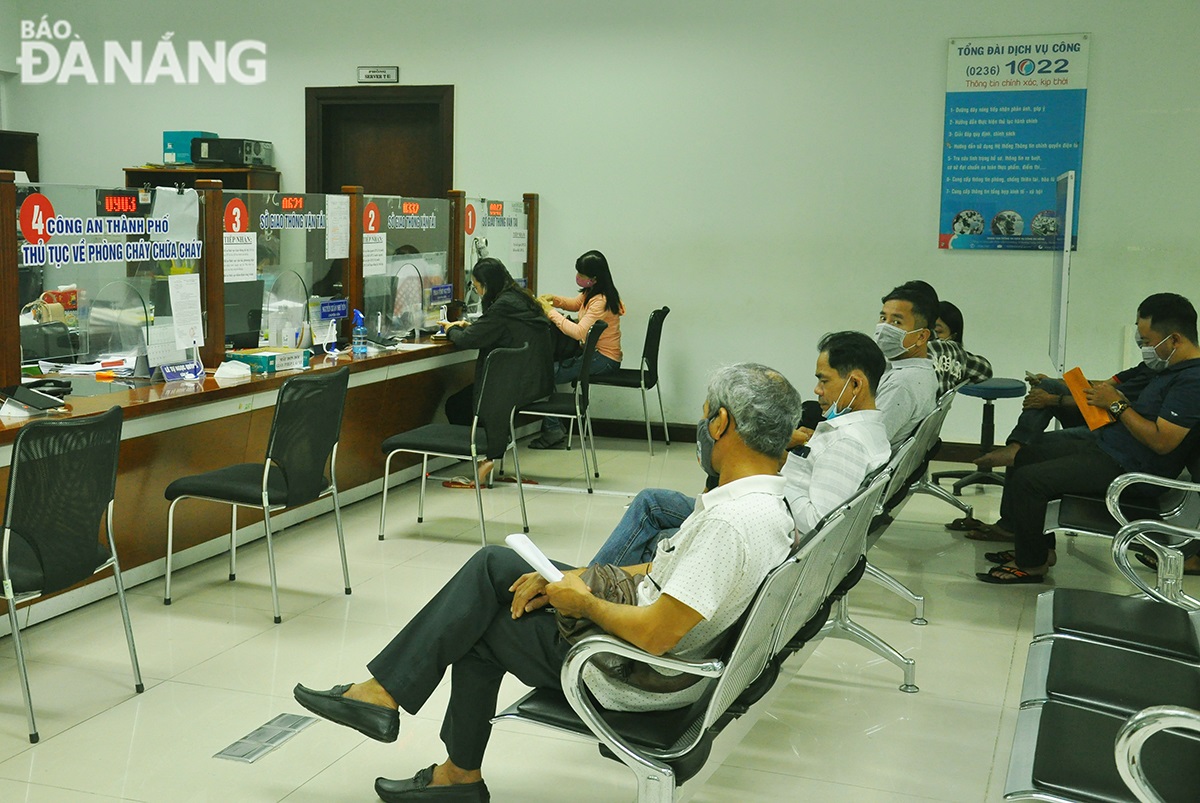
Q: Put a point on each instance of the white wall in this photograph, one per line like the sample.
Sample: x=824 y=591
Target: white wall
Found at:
x=767 y=169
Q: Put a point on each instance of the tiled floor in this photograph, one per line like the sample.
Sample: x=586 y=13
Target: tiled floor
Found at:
x=215 y=667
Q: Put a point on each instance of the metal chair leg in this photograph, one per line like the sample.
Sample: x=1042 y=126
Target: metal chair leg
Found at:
x=479 y=501
x=927 y=487
x=520 y=487
x=592 y=438
x=587 y=474
x=337 y=518
x=387 y=466
x=884 y=579
x=840 y=625
x=233 y=544
x=16 y=639
x=138 y=686
x=662 y=413
x=170 y=542
x=271 y=559
x=646 y=415
x=421 y=498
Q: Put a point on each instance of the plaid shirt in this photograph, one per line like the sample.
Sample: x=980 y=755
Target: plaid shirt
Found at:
x=955 y=365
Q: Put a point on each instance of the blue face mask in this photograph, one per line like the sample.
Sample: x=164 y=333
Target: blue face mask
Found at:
x=833 y=411
x=704 y=447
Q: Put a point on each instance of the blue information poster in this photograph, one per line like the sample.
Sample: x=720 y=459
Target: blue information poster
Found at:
x=1014 y=123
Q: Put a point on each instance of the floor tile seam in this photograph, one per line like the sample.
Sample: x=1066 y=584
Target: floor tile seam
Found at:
x=870 y=687
x=730 y=763
x=89 y=793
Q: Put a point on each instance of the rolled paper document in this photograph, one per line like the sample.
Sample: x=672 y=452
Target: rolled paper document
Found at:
x=520 y=543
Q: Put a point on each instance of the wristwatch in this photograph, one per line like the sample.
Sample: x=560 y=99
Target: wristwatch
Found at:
x=1118 y=407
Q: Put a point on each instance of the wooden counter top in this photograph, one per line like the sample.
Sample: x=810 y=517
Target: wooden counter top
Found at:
x=162 y=397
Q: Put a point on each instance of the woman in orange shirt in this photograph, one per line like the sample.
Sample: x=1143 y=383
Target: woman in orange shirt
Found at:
x=598 y=301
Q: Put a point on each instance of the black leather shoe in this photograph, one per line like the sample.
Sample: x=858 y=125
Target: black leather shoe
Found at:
x=379 y=722
x=418 y=788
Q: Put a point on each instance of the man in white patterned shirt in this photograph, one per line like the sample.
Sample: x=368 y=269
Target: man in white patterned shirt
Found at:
x=824 y=470
x=490 y=618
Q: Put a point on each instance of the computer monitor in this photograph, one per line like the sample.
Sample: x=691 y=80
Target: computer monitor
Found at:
x=243 y=313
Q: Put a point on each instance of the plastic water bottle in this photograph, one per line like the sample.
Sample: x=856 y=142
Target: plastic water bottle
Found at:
x=358 y=338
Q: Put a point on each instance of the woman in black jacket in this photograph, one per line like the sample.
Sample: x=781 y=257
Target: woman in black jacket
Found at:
x=511 y=318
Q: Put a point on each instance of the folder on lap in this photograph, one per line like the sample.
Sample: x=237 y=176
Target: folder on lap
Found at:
x=1095 y=417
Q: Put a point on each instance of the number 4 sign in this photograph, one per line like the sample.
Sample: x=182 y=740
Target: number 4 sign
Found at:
x=35 y=211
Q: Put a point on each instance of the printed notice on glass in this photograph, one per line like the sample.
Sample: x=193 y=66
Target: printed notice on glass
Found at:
x=374 y=254
x=337 y=226
x=185 y=309
x=240 y=256
x=1014 y=123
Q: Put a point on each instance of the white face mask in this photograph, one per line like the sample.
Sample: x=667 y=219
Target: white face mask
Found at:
x=890 y=339
x=1152 y=360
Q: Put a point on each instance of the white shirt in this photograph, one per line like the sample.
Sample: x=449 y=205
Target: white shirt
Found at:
x=907 y=395
x=714 y=564
x=841 y=453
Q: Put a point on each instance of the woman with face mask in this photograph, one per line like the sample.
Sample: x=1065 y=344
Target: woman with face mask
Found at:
x=598 y=300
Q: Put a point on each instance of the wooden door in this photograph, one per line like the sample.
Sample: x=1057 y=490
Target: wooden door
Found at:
x=390 y=140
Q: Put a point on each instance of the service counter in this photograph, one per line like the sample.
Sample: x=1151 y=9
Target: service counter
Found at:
x=173 y=430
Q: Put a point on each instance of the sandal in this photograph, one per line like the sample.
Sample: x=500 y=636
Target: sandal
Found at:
x=1010 y=555
x=541 y=443
x=965 y=524
x=1009 y=576
x=513 y=480
x=459 y=482
x=1150 y=561
x=990 y=532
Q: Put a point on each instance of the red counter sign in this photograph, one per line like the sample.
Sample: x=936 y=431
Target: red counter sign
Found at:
x=371 y=218
x=35 y=210
x=470 y=217
x=236 y=216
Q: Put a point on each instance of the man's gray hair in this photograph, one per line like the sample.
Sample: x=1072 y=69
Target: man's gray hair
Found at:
x=763 y=404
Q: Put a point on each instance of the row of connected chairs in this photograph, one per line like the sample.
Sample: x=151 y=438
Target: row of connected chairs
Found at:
x=1105 y=674
x=906 y=470
x=666 y=748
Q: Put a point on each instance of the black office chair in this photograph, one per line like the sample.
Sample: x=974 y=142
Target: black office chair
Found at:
x=304 y=437
x=47 y=341
x=61 y=484
x=505 y=386
x=574 y=405
x=645 y=376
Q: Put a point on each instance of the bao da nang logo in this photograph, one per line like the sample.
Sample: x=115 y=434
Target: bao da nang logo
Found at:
x=51 y=52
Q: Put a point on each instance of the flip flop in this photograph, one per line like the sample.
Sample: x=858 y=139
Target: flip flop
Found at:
x=997 y=576
x=1010 y=555
x=513 y=480
x=1151 y=562
x=990 y=532
x=459 y=482
x=965 y=524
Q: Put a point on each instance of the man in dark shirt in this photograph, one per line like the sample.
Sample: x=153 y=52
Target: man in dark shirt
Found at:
x=1147 y=436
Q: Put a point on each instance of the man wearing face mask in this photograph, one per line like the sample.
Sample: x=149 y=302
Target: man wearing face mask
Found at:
x=491 y=618
x=1149 y=435
x=908 y=390
x=845 y=447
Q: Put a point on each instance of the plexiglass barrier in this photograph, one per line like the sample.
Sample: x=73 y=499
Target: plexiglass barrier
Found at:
x=405 y=270
x=74 y=242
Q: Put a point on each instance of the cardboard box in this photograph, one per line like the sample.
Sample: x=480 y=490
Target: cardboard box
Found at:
x=270 y=359
x=177 y=145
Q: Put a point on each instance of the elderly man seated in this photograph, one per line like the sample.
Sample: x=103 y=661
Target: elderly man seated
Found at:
x=491 y=617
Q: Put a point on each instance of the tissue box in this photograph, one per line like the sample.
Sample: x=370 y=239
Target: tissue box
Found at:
x=269 y=360
x=177 y=145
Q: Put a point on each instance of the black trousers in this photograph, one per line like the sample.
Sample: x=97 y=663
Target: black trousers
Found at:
x=460 y=406
x=1044 y=470
x=468 y=627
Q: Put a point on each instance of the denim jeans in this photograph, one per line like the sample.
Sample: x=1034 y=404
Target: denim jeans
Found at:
x=654 y=514
x=568 y=371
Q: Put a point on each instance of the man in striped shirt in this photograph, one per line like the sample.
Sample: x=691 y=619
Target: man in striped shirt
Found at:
x=822 y=473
